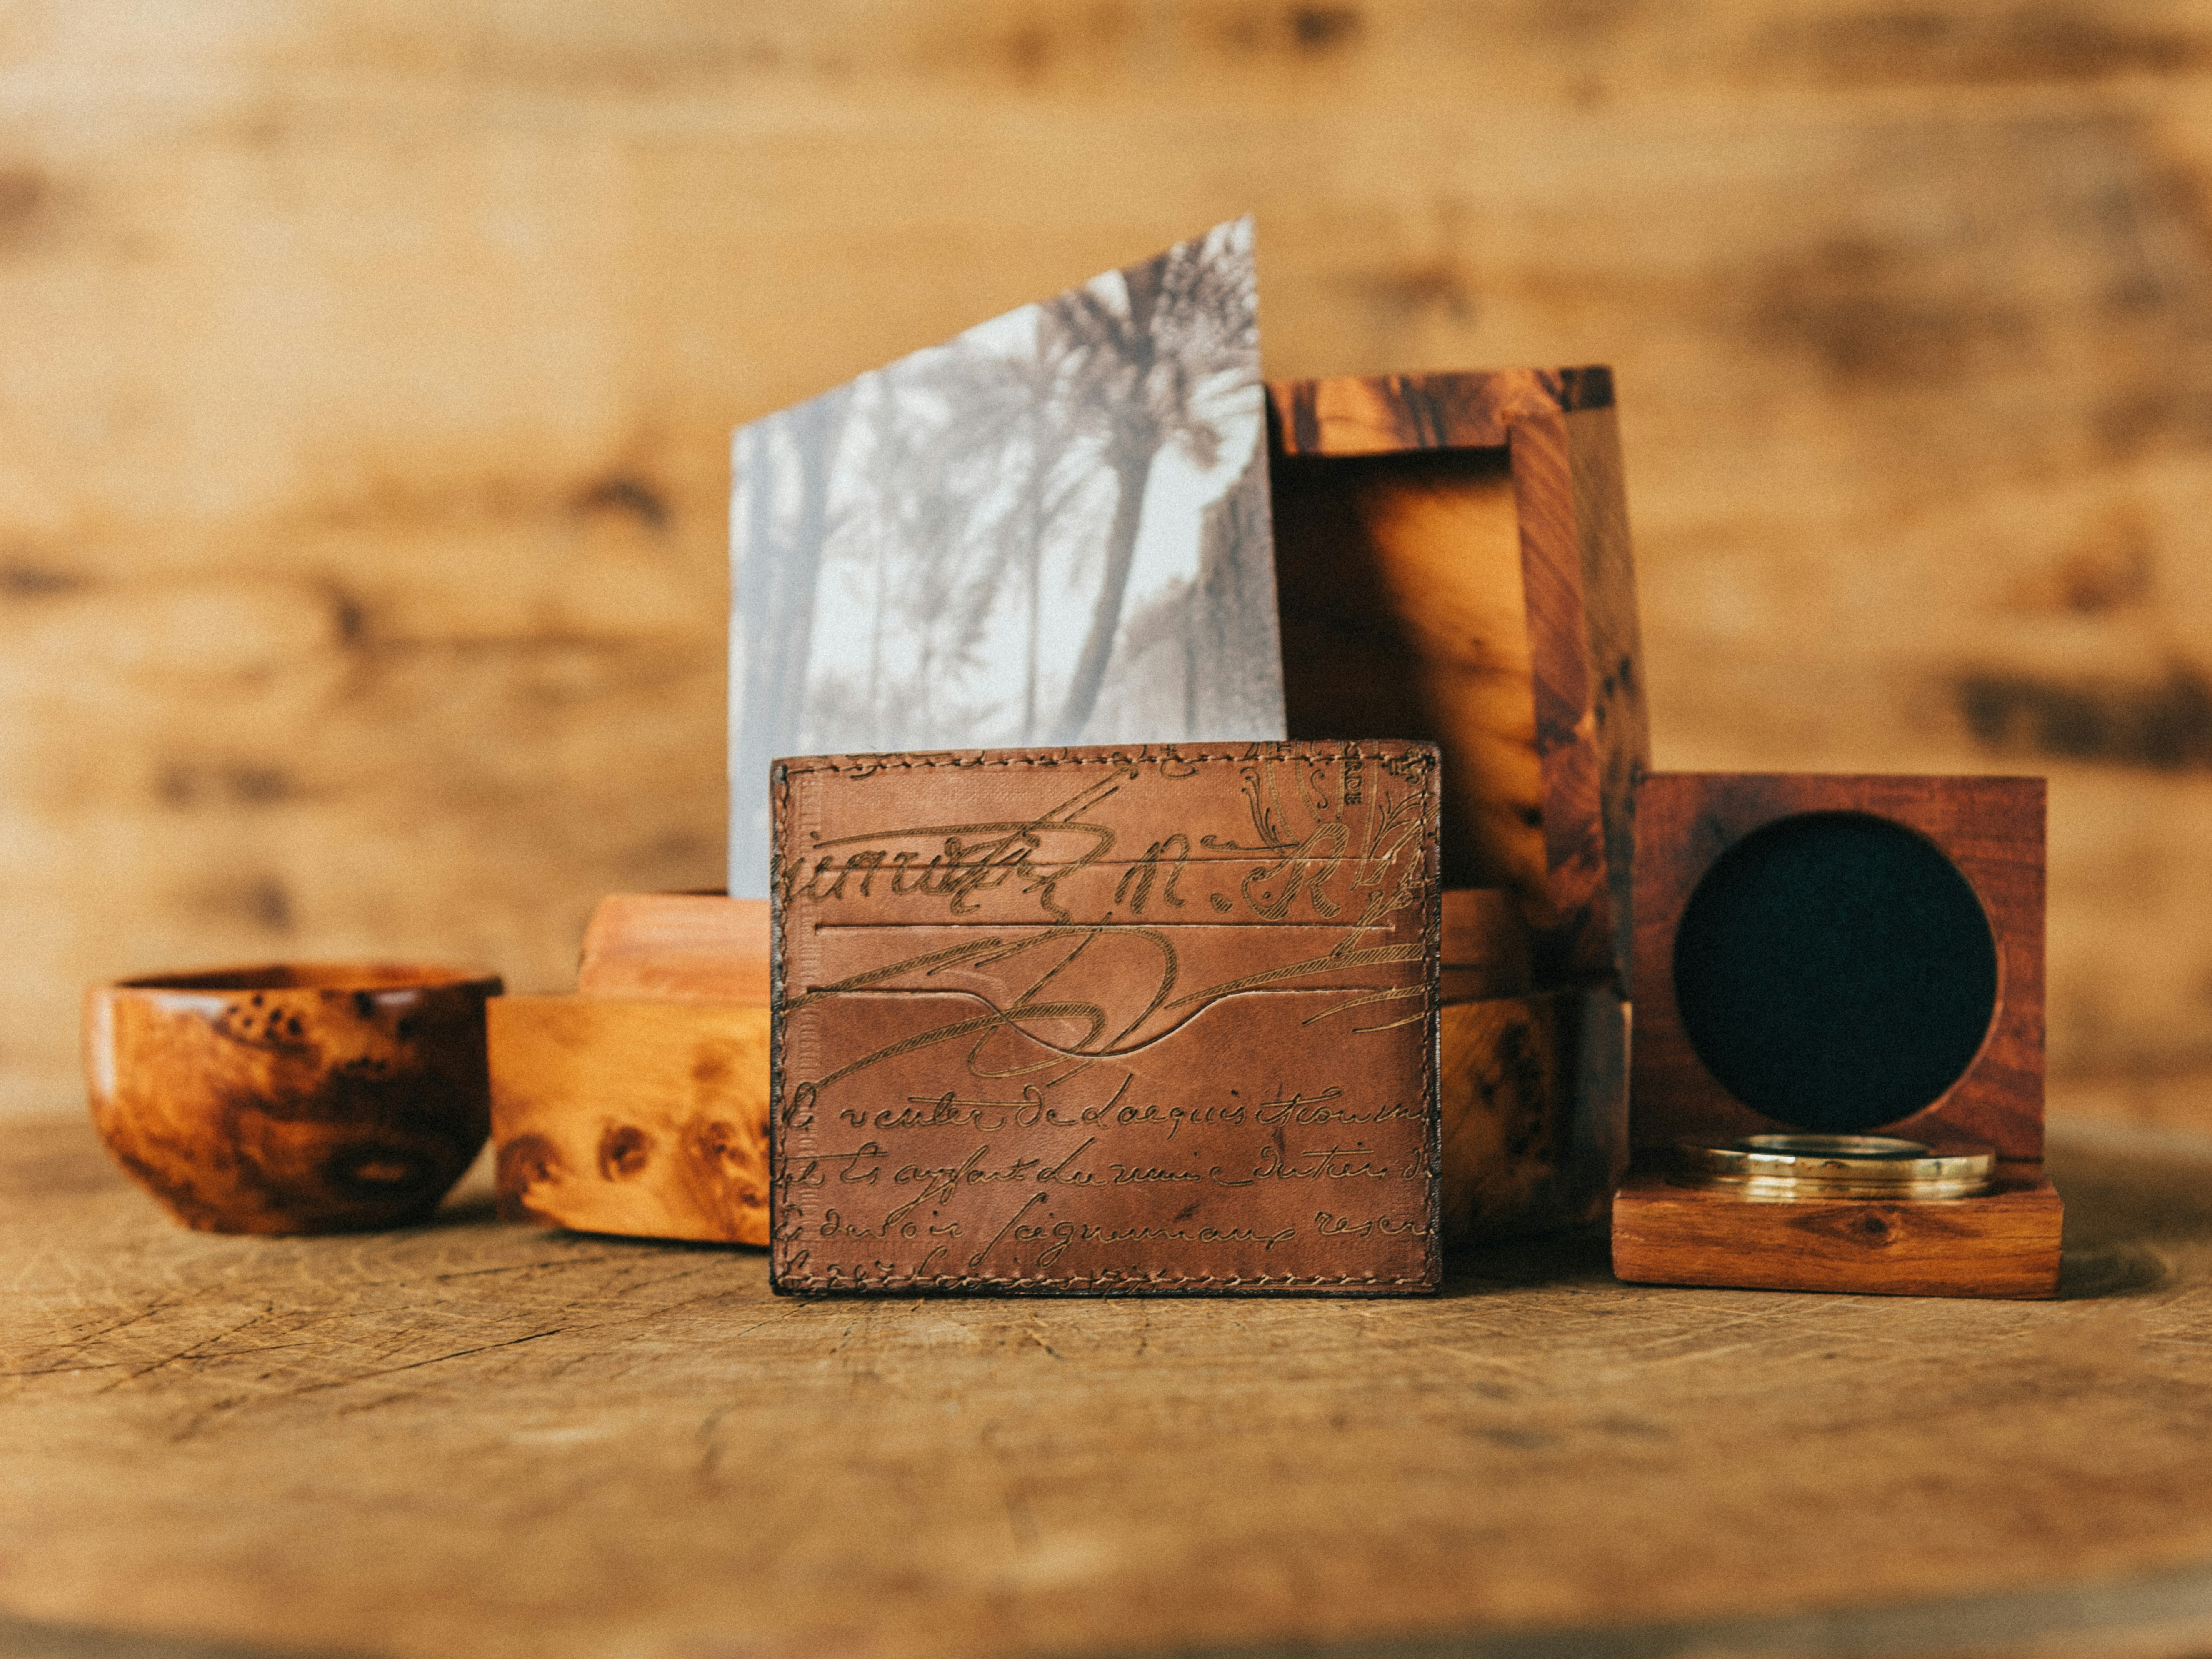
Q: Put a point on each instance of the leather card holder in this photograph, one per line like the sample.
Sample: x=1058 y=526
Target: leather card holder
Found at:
x=1107 y=1021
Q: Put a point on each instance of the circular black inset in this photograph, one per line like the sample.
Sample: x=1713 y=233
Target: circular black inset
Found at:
x=1835 y=972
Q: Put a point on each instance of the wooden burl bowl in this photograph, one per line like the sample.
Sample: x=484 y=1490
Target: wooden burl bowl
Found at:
x=292 y=1099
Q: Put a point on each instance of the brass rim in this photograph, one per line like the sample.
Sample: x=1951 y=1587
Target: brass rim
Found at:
x=1795 y=1166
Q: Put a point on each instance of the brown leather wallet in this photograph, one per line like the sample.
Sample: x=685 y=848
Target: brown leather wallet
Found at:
x=1102 y=1021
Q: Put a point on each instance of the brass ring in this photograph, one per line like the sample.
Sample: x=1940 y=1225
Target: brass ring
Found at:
x=1808 y=1166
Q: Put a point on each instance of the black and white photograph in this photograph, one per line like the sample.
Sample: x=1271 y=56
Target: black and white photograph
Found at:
x=1051 y=529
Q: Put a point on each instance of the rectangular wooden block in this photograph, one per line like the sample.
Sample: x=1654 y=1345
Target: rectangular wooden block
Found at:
x=1534 y=1097
x=1485 y=946
x=704 y=947
x=1990 y=829
x=1991 y=832
x=2003 y=1244
x=620 y=1116
x=1452 y=564
x=1530 y=1089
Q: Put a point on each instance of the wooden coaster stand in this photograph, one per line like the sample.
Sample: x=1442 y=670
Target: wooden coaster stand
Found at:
x=2001 y=1243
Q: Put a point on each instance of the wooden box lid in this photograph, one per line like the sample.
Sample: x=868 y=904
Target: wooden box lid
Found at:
x=1990 y=831
x=1453 y=564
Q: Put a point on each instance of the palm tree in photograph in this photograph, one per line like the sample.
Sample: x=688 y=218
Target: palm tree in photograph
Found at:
x=1148 y=374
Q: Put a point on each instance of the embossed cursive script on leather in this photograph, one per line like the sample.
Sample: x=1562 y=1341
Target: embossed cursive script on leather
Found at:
x=1088 y=1020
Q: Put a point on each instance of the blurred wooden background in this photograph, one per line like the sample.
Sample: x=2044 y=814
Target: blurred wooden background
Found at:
x=369 y=365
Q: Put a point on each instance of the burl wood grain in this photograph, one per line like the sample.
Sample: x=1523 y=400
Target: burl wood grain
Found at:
x=1453 y=564
x=1391 y=414
x=1532 y=1091
x=1484 y=951
x=2003 y=1243
x=292 y=1099
x=613 y=1115
x=639 y=1106
x=495 y=1441
x=1992 y=829
x=1398 y=580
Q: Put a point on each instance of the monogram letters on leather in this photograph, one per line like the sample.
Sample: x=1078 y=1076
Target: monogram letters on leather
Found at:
x=1155 y=1020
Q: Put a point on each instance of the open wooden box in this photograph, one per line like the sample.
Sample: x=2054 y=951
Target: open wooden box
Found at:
x=1452 y=564
x=1893 y=934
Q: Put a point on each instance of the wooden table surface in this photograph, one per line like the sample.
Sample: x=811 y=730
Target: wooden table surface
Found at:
x=480 y=1439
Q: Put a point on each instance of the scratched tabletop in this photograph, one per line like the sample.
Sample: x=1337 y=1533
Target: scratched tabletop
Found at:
x=474 y=1438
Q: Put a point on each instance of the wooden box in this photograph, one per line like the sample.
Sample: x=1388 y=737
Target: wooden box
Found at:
x=638 y=1106
x=1452 y=563
x=1976 y=986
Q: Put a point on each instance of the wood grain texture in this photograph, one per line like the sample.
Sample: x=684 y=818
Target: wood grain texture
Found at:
x=1532 y=1087
x=488 y=1439
x=363 y=489
x=2003 y=1244
x=686 y=946
x=1389 y=413
x=1620 y=723
x=611 y=1115
x=1398 y=577
x=1453 y=560
x=1534 y=1092
x=1990 y=829
x=639 y=1106
x=1484 y=949
x=1403 y=611
x=292 y=1099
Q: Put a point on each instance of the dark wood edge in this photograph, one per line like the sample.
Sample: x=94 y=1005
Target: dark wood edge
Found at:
x=1476 y=408
x=2166 y=1612
x=2161 y=1613
x=37 y=1639
x=1581 y=947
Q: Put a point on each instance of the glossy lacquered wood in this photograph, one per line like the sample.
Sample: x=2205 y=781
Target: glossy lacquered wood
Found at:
x=2004 y=1244
x=1453 y=564
x=1484 y=948
x=1532 y=1092
x=1991 y=829
x=291 y=1097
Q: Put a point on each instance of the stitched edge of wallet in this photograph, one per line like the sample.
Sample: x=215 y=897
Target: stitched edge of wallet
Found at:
x=1105 y=1279
x=864 y=764
x=1259 y=749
